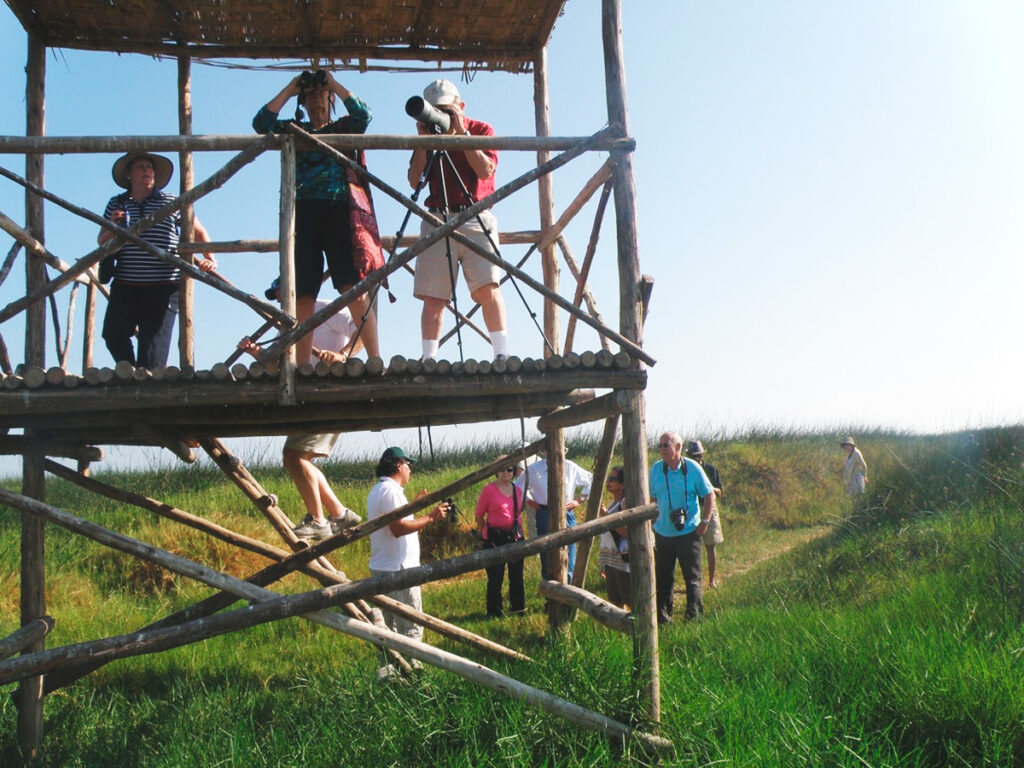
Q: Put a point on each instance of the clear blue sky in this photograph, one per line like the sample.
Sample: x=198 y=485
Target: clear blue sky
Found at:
x=830 y=200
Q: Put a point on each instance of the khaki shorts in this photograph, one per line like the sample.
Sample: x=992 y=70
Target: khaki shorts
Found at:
x=713 y=535
x=433 y=280
x=308 y=442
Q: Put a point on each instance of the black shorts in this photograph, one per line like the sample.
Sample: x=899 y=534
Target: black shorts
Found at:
x=322 y=228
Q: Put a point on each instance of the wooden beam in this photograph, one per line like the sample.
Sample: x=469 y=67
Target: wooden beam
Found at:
x=602 y=462
x=599 y=610
x=266 y=599
x=169 y=441
x=64 y=145
x=32 y=246
x=545 y=195
x=583 y=274
x=325 y=576
x=186 y=180
x=286 y=265
x=280 y=606
x=27 y=635
x=12 y=445
x=387 y=242
x=602 y=407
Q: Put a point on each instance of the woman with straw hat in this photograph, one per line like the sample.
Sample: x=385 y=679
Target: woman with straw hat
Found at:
x=144 y=294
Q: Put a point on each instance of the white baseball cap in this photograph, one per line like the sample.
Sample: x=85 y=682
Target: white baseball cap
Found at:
x=441 y=93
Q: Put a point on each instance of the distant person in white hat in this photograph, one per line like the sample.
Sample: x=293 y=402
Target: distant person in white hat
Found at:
x=434 y=283
x=855 y=470
x=144 y=293
x=712 y=537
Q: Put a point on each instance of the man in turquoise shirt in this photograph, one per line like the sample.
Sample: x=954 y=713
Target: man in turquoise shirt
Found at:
x=685 y=499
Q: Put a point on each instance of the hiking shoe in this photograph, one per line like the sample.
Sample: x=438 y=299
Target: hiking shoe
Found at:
x=311 y=529
x=387 y=673
x=346 y=519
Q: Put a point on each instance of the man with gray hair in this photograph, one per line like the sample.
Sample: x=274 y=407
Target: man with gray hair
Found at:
x=685 y=499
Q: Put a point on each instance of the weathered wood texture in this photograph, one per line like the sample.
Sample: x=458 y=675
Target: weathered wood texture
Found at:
x=29 y=696
x=186 y=180
x=27 y=635
x=602 y=462
x=286 y=265
x=282 y=606
x=634 y=437
x=63 y=145
x=599 y=610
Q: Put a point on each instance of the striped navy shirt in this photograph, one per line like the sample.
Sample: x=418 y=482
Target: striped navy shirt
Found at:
x=134 y=265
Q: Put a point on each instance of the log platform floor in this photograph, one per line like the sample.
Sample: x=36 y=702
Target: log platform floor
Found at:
x=135 y=406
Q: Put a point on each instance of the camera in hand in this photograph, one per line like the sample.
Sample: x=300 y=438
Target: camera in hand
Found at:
x=678 y=518
x=422 y=111
x=453 y=510
x=310 y=80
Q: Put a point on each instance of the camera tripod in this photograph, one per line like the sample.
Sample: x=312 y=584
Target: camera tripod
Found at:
x=441 y=161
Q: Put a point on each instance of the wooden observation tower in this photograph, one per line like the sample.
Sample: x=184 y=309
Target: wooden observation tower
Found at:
x=67 y=412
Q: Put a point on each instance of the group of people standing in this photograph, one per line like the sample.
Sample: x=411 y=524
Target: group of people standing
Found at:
x=334 y=223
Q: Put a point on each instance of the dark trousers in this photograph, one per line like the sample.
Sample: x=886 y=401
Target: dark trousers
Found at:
x=141 y=308
x=164 y=336
x=541 y=519
x=516 y=590
x=687 y=551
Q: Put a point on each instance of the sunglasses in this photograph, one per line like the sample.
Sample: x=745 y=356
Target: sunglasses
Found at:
x=614 y=480
x=507 y=469
x=666 y=445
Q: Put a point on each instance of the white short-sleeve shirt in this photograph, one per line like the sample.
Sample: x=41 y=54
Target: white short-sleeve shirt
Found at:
x=387 y=551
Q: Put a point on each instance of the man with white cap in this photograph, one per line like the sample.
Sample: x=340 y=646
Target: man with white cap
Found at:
x=144 y=294
x=473 y=170
x=855 y=469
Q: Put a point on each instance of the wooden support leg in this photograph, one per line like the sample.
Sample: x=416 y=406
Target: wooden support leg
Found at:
x=601 y=463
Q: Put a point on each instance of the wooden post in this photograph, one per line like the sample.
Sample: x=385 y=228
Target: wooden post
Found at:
x=186 y=342
x=634 y=438
x=602 y=461
x=33 y=596
x=89 y=338
x=545 y=192
x=286 y=236
x=557 y=559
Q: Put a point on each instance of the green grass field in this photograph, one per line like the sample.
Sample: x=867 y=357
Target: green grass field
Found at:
x=889 y=634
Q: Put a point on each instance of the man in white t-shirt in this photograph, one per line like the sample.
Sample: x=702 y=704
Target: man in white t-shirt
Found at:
x=534 y=484
x=331 y=341
x=397 y=546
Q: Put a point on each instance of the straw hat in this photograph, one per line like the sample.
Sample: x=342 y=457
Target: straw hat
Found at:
x=849 y=441
x=163 y=169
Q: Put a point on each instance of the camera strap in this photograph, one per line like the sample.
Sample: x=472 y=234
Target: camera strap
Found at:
x=668 y=485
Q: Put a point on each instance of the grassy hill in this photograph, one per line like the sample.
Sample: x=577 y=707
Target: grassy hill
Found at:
x=889 y=634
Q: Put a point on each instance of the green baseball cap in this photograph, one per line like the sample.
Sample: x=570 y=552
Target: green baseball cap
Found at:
x=394 y=452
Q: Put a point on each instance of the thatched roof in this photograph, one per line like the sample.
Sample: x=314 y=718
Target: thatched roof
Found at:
x=487 y=34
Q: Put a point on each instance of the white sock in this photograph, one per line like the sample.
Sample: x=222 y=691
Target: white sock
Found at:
x=499 y=342
x=430 y=347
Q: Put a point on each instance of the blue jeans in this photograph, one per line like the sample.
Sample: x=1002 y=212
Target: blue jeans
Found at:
x=542 y=528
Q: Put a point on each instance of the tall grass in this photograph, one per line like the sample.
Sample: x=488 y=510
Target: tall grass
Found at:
x=892 y=636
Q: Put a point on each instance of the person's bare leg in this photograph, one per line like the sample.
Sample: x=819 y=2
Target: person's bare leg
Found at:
x=331 y=503
x=431 y=321
x=304 y=474
x=492 y=303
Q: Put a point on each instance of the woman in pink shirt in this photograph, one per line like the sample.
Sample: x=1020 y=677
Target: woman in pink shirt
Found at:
x=499 y=516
